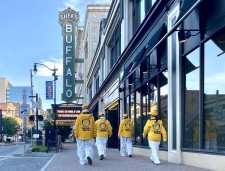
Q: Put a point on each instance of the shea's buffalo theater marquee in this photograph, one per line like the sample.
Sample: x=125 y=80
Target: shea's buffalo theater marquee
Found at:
x=66 y=113
x=68 y=19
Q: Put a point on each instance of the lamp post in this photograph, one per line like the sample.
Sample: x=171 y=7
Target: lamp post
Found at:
x=55 y=78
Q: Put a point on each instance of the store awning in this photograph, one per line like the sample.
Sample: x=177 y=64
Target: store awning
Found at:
x=153 y=41
x=163 y=80
x=189 y=67
x=187 y=4
x=133 y=65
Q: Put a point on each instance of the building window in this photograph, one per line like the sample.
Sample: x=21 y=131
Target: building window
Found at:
x=140 y=9
x=214 y=93
x=96 y=83
x=203 y=85
x=163 y=107
x=115 y=45
x=192 y=91
x=90 y=92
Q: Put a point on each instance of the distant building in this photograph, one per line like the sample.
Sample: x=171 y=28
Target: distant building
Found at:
x=4 y=85
x=15 y=94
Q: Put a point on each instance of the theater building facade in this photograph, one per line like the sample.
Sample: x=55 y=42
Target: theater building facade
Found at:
x=166 y=55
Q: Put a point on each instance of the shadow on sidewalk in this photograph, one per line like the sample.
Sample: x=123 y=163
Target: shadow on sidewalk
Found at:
x=67 y=160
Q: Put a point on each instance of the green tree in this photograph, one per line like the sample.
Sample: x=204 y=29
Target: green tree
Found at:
x=10 y=126
x=64 y=131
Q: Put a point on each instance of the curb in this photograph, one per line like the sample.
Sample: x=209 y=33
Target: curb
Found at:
x=47 y=164
x=38 y=154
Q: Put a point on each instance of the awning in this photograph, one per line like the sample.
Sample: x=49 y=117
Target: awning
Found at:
x=163 y=80
x=153 y=41
x=187 y=4
x=133 y=65
x=189 y=67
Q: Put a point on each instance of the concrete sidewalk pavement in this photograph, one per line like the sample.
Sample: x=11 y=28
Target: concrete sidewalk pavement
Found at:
x=67 y=160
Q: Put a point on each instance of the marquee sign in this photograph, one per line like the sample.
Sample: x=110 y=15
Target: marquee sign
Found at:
x=68 y=20
x=66 y=115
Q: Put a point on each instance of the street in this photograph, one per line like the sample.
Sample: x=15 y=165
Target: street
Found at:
x=12 y=159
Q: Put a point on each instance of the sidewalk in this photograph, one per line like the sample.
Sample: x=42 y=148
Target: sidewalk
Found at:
x=67 y=160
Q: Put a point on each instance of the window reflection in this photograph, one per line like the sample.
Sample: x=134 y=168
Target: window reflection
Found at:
x=191 y=130
x=138 y=119
x=214 y=94
x=144 y=110
x=142 y=10
x=164 y=104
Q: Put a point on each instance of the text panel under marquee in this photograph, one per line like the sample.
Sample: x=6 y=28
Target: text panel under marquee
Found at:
x=68 y=113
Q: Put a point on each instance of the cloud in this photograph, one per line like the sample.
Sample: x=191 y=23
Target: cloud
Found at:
x=213 y=83
x=50 y=63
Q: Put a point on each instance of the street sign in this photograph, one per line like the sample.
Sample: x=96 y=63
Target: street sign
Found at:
x=35 y=105
x=24 y=110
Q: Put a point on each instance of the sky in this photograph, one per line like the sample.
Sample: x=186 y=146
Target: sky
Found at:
x=30 y=33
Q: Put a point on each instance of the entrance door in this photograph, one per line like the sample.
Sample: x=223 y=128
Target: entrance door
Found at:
x=112 y=116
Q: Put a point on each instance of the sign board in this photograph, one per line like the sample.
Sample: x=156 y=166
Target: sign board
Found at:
x=66 y=115
x=49 y=90
x=35 y=135
x=68 y=19
x=65 y=123
x=24 y=110
x=67 y=112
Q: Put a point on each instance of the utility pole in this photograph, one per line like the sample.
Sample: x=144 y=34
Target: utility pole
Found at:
x=37 y=112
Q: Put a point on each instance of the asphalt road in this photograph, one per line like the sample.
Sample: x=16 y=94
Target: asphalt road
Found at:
x=12 y=159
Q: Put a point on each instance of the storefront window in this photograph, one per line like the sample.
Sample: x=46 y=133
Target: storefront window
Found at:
x=145 y=96
x=191 y=118
x=138 y=119
x=142 y=10
x=127 y=105
x=214 y=93
x=164 y=102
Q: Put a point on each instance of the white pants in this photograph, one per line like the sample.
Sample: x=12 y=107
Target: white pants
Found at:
x=84 y=150
x=101 y=146
x=155 y=149
x=125 y=145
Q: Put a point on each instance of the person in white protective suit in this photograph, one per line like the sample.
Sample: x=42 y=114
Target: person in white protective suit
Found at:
x=84 y=134
x=103 y=130
x=125 y=134
x=154 y=128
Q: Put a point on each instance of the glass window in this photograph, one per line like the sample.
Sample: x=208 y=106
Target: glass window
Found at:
x=191 y=130
x=142 y=10
x=138 y=118
x=127 y=105
x=164 y=102
x=144 y=110
x=214 y=93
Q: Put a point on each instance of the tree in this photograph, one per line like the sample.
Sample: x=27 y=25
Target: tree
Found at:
x=10 y=126
x=64 y=131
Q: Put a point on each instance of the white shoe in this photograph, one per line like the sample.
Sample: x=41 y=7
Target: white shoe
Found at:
x=151 y=158
x=158 y=162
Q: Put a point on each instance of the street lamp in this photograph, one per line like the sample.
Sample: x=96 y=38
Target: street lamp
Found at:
x=55 y=78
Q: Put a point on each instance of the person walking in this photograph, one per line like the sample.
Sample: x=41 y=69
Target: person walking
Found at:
x=154 y=128
x=125 y=134
x=84 y=134
x=103 y=130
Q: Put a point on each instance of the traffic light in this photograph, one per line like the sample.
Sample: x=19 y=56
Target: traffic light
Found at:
x=31 y=118
x=40 y=118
